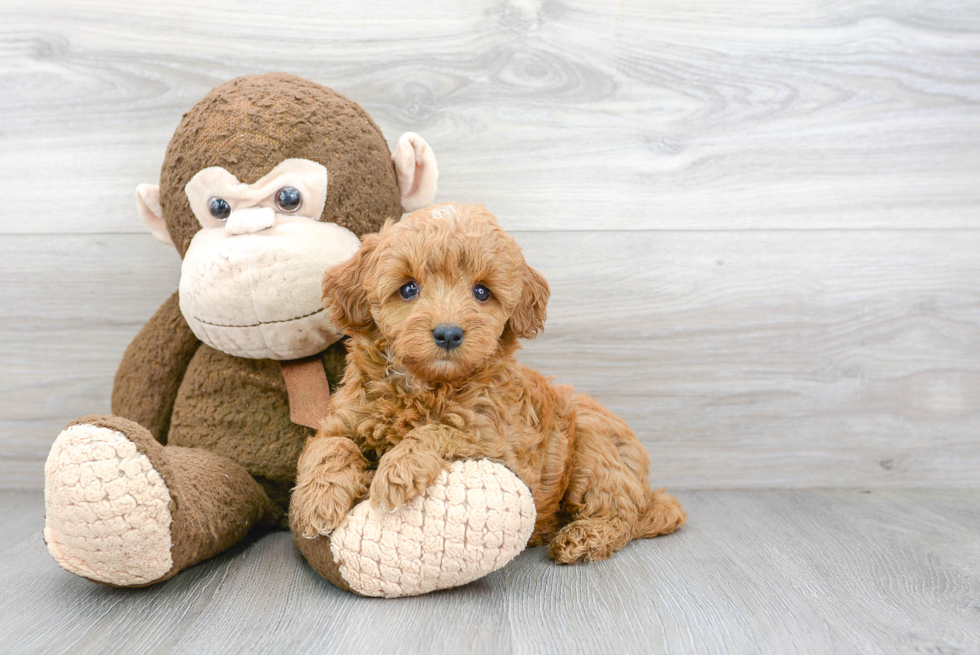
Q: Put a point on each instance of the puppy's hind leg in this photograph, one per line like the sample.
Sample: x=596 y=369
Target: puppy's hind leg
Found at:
x=663 y=515
x=608 y=498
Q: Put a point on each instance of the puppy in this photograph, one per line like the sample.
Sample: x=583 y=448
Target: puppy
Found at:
x=434 y=306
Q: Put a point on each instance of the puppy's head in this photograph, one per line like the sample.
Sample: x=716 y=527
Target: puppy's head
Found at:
x=446 y=287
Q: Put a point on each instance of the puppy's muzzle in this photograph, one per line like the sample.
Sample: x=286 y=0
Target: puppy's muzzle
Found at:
x=448 y=336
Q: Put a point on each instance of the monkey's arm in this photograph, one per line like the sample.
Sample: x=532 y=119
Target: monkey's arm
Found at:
x=152 y=369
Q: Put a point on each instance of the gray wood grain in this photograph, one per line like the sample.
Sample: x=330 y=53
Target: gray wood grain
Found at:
x=754 y=571
x=741 y=359
x=579 y=114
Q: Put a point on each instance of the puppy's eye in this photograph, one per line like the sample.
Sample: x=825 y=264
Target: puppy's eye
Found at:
x=288 y=199
x=409 y=290
x=219 y=208
x=481 y=293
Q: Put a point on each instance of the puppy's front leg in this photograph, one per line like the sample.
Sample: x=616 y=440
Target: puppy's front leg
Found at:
x=331 y=478
x=406 y=470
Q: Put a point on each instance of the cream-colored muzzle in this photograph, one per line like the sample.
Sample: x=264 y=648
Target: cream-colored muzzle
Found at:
x=258 y=295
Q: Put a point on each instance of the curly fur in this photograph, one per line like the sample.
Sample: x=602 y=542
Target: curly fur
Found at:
x=408 y=407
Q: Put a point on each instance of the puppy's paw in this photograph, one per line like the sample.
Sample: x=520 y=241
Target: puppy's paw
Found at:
x=316 y=509
x=664 y=515
x=404 y=475
x=330 y=480
x=588 y=540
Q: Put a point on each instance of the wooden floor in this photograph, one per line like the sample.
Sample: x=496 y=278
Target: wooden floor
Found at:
x=755 y=571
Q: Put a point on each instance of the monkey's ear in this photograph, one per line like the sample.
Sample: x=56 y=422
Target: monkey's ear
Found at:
x=344 y=294
x=529 y=315
x=416 y=170
x=148 y=206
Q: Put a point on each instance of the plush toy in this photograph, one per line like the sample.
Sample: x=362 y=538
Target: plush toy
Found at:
x=267 y=182
x=471 y=521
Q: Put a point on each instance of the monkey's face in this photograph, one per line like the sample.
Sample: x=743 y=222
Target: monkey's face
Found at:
x=268 y=181
x=250 y=281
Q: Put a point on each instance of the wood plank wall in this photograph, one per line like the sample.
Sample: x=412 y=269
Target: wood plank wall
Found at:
x=761 y=221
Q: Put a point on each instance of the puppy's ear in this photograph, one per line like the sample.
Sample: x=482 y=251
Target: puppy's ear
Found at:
x=530 y=313
x=344 y=293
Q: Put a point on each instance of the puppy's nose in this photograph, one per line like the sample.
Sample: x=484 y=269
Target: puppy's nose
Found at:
x=448 y=336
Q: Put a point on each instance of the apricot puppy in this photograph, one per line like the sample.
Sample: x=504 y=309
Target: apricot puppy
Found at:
x=435 y=305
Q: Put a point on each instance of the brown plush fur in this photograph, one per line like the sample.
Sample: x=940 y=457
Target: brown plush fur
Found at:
x=250 y=124
x=188 y=394
x=408 y=407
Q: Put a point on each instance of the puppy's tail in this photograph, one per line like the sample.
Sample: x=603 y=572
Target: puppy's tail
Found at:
x=663 y=515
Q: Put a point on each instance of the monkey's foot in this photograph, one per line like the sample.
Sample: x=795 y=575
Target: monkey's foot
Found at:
x=471 y=521
x=108 y=509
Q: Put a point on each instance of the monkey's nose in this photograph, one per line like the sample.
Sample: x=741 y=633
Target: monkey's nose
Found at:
x=448 y=336
x=250 y=219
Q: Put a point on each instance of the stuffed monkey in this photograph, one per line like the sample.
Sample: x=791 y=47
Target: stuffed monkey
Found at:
x=267 y=182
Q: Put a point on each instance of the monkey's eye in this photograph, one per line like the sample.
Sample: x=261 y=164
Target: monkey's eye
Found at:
x=219 y=208
x=409 y=290
x=481 y=293
x=288 y=199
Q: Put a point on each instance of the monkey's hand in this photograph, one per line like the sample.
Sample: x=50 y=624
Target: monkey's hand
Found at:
x=331 y=478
